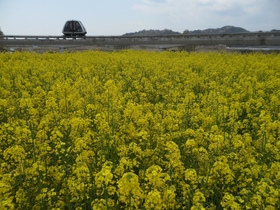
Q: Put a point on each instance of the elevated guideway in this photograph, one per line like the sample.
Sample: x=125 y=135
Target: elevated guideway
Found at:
x=237 y=39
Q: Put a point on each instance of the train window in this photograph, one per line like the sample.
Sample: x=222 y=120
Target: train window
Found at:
x=68 y=26
x=78 y=26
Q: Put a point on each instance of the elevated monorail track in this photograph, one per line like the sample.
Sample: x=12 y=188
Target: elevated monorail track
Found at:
x=237 y=39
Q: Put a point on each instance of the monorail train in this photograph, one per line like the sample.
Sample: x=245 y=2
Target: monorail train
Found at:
x=74 y=28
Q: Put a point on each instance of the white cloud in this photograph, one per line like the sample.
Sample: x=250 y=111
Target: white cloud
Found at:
x=200 y=14
x=154 y=1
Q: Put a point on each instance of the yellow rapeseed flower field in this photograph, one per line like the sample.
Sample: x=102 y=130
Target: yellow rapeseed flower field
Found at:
x=139 y=130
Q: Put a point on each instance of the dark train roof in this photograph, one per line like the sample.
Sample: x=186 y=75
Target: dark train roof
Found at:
x=74 y=28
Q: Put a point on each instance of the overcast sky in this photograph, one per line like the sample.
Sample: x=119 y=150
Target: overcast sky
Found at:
x=116 y=17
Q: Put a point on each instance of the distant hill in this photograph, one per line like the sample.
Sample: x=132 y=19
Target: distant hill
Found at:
x=152 y=32
x=223 y=30
x=275 y=30
x=165 y=32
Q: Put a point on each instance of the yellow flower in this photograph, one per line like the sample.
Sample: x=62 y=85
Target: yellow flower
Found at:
x=139 y=130
x=105 y=176
x=198 y=198
x=129 y=190
x=169 y=197
x=82 y=172
x=197 y=207
x=21 y=197
x=156 y=178
x=7 y=204
x=191 y=176
x=221 y=171
x=99 y=204
x=191 y=144
x=228 y=201
x=174 y=157
x=16 y=153
x=154 y=200
x=217 y=143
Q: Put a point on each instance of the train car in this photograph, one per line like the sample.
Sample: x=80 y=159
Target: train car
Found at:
x=74 y=28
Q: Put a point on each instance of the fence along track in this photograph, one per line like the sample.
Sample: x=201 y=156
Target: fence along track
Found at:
x=238 y=39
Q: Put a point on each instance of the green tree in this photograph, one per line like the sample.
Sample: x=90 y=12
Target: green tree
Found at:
x=186 y=31
x=1 y=34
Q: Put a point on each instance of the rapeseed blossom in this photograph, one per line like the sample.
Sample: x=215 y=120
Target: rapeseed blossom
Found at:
x=129 y=190
x=139 y=130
